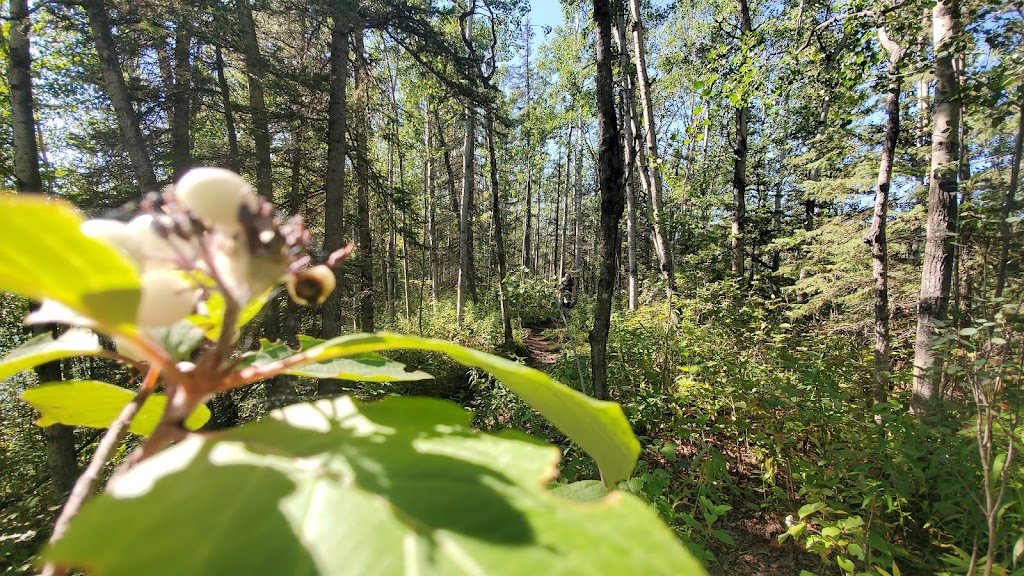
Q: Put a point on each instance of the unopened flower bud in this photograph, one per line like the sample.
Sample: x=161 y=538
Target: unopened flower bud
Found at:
x=311 y=286
x=215 y=196
x=167 y=297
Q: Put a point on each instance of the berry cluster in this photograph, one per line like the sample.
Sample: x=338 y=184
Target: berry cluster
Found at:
x=212 y=232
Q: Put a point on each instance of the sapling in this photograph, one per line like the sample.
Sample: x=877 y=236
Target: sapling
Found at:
x=212 y=235
x=172 y=288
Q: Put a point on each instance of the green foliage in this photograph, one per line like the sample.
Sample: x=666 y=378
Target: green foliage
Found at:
x=367 y=367
x=434 y=495
x=93 y=279
x=43 y=348
x=438 y=496
x=531 y=298
x=598 y=427
x=97 y=404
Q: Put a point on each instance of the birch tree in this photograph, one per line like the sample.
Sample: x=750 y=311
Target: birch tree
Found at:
x=936 y=275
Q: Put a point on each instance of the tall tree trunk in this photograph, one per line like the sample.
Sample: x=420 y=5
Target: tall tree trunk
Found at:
x=923 y=87
x=628 y=107
x=499 y=236
x=361 y=166
x=965 y=223
x=429 y=203
x=257 y=100
x=527 y=128
x=465 y=204
x=569 y=194
x=933 y=302
x=1009 y=202
x=577 y=208
x=234 y=161
x=610 y=179
x=557 y=251
x=279 y=391
x=117 y=90
x=181 y=97
x=61 y=458
x=294 y=203
x=876 y=236
x=334 y=185
x=661 y=243
x=739 y=171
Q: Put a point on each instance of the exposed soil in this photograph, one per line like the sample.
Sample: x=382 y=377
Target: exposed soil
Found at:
x=544 y=349
x=757 y=551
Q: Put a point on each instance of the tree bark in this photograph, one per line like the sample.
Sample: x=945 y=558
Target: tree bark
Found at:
x=257 y=100
x=577 y=208
x=430 y=204
x=627 y=105
x=61 y=457
x=465 y=204
x=610 y=180
x=334 y=185
x=499 y=236
x=181 y=99
x=527 y=128
x=361 y=166
x=876 y=236
x=1009 y=202
x=653 y=164
x=933 y=302
x=739 y=172
x=117 y=90
x=234 y=162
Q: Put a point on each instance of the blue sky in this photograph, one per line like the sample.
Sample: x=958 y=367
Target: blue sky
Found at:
x=545 y=12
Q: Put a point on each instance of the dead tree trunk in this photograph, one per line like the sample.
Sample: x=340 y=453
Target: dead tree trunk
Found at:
x=876 y=236
x=661 y=243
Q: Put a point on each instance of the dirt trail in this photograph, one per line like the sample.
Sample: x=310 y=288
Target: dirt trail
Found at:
x=544 y=349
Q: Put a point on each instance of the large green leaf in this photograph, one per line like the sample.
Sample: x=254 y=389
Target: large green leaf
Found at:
x=598 y=427
x=367 y=367
x=44 y=255
x=97 y=404
x=44 y=348
x=403 y=486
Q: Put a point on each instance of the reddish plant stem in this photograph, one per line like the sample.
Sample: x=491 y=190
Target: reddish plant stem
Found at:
x=87 y=482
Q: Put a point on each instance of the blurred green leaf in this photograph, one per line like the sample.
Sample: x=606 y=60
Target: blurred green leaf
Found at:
x=402 y=486
x=599 y=427
x=46 y=256
x=43 y=349
x=97 y=404
x=367 y=367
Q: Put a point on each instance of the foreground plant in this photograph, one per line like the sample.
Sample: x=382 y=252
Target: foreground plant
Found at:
x=332 y=487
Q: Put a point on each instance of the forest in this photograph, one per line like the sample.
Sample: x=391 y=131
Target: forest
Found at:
x=509 y=287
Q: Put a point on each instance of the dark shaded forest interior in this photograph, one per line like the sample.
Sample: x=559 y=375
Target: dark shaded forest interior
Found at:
x=785 y=237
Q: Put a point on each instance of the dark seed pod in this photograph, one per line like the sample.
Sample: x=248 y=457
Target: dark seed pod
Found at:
x=311 y=286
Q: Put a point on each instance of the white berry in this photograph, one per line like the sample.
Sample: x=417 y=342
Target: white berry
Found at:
x=167 y=296
x=215 y=196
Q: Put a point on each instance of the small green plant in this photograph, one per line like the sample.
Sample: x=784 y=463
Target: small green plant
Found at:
x=337 y=486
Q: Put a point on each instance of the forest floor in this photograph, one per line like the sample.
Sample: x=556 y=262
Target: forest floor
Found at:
x=544 y=349
x=757 y=551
